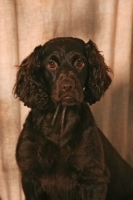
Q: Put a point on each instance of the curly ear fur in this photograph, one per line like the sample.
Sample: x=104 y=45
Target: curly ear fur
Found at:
x=30 y=86
x=98 y=79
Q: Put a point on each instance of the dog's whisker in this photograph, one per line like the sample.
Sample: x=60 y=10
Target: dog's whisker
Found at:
x=55 y=115
x=62 y=119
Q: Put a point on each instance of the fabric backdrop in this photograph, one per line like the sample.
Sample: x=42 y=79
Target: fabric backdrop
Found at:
x=25 y=24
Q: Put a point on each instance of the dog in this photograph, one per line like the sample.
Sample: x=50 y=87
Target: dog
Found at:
x=61 y=153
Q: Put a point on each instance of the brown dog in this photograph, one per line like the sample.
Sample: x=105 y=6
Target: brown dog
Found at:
x=61 y=153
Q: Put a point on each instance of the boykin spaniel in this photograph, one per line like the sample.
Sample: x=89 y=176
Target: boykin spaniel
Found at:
x=61 y=153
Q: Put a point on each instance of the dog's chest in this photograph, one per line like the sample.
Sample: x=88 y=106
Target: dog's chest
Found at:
x=59 y=167
x=54 y=158
x=63 y=138
x=61 y=126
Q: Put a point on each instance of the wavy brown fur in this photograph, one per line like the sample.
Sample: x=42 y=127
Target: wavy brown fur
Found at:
x=61 y=153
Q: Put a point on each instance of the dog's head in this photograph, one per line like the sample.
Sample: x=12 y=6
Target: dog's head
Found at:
x=64 y=70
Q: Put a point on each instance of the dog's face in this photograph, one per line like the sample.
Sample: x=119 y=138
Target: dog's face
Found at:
x=64 y=70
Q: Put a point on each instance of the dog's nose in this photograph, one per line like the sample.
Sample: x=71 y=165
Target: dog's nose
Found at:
x=67 y=85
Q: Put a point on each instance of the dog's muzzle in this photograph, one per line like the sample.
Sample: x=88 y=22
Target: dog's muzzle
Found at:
x=67 y=90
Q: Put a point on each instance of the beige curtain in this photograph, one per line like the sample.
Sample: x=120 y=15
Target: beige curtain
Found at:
x=25 y=24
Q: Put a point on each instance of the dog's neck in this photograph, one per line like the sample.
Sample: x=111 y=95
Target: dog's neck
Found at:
x=61 y=124
x=63 y=110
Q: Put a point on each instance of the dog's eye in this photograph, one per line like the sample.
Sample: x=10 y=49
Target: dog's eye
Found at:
x=79 y=63
x=52 y=65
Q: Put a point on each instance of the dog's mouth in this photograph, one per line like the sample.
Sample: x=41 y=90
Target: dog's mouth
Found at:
x=68 y=99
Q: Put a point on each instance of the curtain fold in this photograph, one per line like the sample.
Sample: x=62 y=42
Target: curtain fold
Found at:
x=25 y=24
x=9 y=107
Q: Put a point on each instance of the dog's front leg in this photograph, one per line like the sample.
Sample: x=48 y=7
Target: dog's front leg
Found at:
x=32 y=189
x=28 y=188
x=93 y=191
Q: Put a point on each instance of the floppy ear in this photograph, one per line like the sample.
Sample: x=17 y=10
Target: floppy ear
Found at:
x=30 y=87
x=98 y=79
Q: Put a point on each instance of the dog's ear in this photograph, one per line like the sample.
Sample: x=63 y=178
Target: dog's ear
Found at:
x=98 y=79
x=30 y=87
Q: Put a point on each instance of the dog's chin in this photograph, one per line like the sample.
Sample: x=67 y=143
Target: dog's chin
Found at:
x=67 y=101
